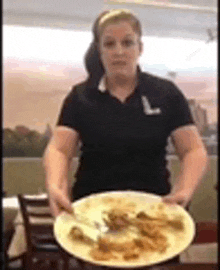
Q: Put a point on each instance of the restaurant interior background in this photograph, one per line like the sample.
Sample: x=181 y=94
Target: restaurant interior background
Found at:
x=43 y=51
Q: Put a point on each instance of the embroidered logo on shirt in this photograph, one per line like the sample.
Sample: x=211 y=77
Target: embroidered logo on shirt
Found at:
x=147 y=108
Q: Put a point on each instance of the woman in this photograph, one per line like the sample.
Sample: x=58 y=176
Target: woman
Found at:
x=123 y=117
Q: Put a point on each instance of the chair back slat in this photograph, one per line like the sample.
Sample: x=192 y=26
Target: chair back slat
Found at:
x=41 y=202
x=39 y=215
x=38 y=223
x=37 y=219
x=27 y=225
x=42 y=229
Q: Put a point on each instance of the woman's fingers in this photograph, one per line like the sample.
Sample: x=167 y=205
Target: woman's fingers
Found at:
x=63 y=201
x=54 y=208
x=173 y=200
x=178 y=198
x=59 y=201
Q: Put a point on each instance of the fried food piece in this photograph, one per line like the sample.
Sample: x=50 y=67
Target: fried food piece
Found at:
x=145 y=243
x=162 y=244
x=107 y=246
x=146 y=228
x=103 y=244
x=139 y=243
x=146 y=234
x=154 y=240
x=102 y=251
x=148 y=243
x=161 y=221
x=116 y=244
x=151 y=237
x=77 y=234
x=143 y=216
x=100 y=255
x=116 y=219
x=131 y=255
x=177 y=224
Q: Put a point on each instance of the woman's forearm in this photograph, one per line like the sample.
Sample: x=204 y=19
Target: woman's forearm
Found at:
x=57 y=160
x=193 y=167
x=56 y=166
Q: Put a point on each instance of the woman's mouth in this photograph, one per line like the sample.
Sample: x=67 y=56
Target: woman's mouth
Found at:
x=119 y=63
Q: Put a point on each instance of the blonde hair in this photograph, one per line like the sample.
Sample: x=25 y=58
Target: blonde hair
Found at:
x=113 y=13
x=114 y=16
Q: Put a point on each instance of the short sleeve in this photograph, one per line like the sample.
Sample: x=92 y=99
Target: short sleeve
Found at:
x=180 y=111
x=69 y=111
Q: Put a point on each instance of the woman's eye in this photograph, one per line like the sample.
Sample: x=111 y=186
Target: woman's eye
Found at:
x=125 y=43
x=128 y=42
x=109 y=44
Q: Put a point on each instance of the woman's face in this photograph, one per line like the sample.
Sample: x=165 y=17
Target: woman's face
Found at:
x=120 y=49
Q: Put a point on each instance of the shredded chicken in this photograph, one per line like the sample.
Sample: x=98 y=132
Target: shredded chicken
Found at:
x=131 y=255
x=116 y=219
x=101 y=255
x=149 y=234
x=76 y=233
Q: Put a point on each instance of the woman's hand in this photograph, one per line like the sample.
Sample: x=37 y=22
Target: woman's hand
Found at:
x=59 y=200
x=181 y=197
x=57 y=163
x=193 y=164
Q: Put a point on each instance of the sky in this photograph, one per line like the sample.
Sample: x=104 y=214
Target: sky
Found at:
x=66 y=46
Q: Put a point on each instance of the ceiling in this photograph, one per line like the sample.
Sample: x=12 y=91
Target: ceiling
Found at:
x=162 y=18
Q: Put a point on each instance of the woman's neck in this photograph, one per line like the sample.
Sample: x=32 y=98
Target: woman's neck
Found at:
x=121 y=87
x=120 y=82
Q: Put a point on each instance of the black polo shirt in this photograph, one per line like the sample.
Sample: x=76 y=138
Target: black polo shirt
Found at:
x=124 y=144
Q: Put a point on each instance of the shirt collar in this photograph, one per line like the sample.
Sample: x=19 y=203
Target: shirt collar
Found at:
x=102 y=83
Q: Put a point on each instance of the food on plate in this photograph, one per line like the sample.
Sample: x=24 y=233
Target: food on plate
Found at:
x=158 y=244
x=76 y=233
x=131 y=234
x=100 y=254
x=116 y=219
x=120 y=242
x=177 y=223
x=112 y=246
x=161 y=220
x=131 y=255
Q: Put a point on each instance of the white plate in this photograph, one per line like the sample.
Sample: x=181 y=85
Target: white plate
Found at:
x=93 y=205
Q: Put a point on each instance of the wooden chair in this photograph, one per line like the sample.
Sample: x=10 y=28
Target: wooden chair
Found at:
x=7 y=237
x=41 y=244
x=206 y=237
x=206 y=232
x=9 y=215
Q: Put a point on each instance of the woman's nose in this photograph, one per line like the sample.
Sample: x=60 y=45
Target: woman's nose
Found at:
x=119 y=48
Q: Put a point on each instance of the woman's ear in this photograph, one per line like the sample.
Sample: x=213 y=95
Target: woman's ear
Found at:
x=141 y=47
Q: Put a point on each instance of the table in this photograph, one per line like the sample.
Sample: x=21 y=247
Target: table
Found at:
x=10 y=209
x=188 y=266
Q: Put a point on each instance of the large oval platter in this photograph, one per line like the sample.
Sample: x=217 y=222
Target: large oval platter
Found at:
x=93 y=206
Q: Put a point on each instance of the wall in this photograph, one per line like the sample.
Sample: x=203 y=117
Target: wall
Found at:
x=26 y=175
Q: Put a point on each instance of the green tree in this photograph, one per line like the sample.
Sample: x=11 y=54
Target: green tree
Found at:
x=30 y=144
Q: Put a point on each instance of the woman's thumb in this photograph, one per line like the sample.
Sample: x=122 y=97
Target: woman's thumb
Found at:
x=64 y=202
x=170 y=199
